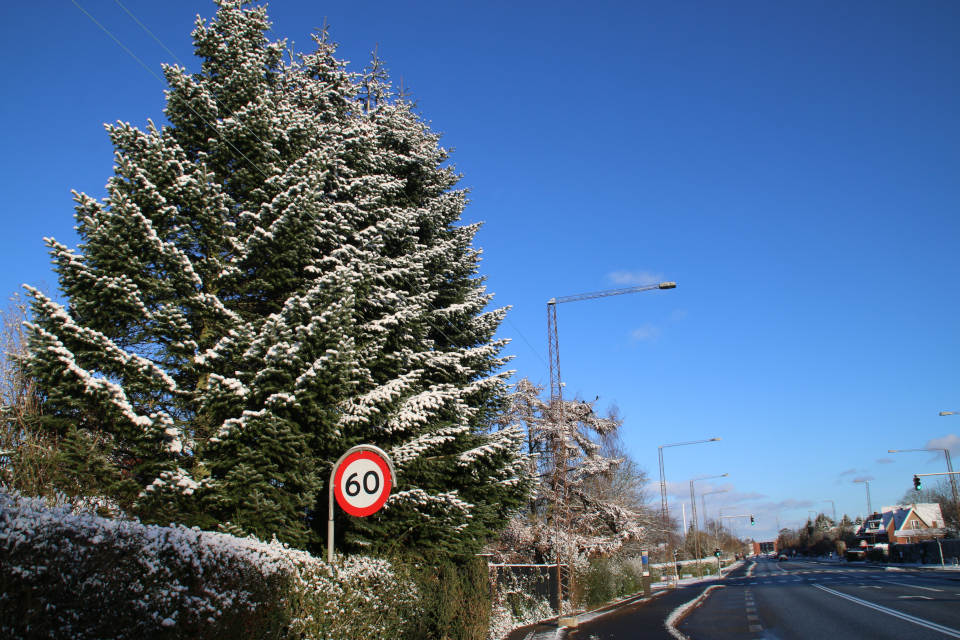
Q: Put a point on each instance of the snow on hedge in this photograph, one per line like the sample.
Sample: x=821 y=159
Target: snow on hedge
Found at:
x=67 y=573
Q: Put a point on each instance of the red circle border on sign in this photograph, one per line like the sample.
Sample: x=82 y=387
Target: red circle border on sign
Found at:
x=387 y=484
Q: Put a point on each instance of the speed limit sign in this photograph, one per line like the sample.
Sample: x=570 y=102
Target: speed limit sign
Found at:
x=362 y=483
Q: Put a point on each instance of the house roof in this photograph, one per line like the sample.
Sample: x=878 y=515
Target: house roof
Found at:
x=928 y=512
x=896 y=515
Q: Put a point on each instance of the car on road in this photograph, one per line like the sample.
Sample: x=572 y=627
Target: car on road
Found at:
x=782 y=558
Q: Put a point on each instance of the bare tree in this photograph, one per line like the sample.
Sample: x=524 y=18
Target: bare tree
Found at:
x=600 y=487
x=940 y=493
x=27 y=455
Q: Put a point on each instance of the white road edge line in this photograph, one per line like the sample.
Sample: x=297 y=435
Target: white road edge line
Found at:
x=682 y=610
x=912 y=586
x=953 y=633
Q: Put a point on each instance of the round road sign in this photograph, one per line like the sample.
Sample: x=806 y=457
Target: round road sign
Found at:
x=362 y=483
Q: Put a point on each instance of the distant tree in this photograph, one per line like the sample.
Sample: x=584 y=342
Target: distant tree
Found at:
x=707 y=543
x=787 y=539
x=823 y=523
x=28 y=456
x=938 y=492
x=931 y=493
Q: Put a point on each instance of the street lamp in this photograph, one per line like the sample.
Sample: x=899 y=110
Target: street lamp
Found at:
x=946 y=453
x=556 y=404
x=693 y=507
x=950 y=413
x=869 y=505
x=664 y=511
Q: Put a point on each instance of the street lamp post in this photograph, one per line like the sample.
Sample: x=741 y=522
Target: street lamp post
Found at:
x=869 y=505
x=556 y=405
x=693 y=508
x=953 y=480
x=664 y=511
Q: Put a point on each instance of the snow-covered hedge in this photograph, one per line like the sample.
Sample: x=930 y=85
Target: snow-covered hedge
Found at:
x=516 y=604
x=67 y=573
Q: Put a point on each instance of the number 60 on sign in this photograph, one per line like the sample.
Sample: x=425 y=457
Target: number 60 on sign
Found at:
x=362 y=483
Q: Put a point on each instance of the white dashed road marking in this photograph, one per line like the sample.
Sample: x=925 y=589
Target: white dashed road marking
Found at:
x=903 y=584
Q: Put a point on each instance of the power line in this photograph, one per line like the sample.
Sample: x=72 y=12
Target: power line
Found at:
x=219 y=102
x=253 y=164
x=186 y=104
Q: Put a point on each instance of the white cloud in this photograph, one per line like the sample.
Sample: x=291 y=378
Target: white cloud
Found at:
x=678 y=490
x=950 y=442
x=646 y=332
x=853 y=472
x=635 y=278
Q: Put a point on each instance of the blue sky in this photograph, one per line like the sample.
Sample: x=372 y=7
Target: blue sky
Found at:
x=792 y=166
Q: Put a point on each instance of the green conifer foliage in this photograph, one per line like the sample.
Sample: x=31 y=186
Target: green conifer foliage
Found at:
x=278 y=275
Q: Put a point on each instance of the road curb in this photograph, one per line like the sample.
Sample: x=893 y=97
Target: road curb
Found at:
x=680 y=612
x=542 y=630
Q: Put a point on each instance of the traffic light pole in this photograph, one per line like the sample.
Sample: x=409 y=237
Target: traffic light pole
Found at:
x=918 y=486
x=717 y=552
x=917 y=476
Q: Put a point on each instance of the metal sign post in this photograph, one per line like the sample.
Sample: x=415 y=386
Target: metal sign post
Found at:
x=645 y=561
x=361 y=481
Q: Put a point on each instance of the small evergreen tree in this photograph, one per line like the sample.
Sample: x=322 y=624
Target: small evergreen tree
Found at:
x=823 y=523
x=274 y=277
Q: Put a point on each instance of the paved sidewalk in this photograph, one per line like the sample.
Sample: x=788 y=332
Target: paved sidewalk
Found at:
x=625 y=619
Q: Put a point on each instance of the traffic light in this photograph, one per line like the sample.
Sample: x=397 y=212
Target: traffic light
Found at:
x=916 y=483
x=751 y=519
x=716 y=552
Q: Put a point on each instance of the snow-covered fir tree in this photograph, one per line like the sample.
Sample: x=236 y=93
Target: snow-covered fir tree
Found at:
x=274 y=277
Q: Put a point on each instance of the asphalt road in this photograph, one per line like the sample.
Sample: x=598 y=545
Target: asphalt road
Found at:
x=642 y=618
x=803 y=600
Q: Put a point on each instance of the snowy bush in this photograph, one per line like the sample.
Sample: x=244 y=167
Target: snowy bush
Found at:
x=454 y=601
x=67 y=573
x=609 y=579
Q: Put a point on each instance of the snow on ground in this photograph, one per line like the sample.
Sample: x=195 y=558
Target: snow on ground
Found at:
x=681 y=611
